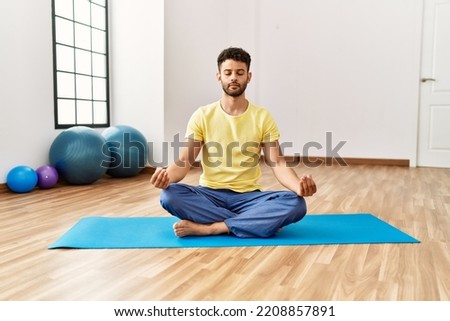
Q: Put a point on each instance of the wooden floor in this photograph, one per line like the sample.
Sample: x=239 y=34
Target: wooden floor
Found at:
x=416 y=200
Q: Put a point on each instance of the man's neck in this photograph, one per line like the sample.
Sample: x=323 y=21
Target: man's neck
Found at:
x=234 y=105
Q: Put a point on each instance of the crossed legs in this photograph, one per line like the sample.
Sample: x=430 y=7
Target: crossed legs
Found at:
x=206 y=211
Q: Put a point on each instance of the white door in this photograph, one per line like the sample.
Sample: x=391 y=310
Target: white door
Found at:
x=434 y=114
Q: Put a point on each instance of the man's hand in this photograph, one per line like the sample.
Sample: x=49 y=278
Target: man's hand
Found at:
x=307 y=186
x=160 y=178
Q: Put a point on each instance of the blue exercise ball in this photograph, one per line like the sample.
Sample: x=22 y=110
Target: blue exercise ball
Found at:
x=78 y=154
x=128 y=149
x=21 y=179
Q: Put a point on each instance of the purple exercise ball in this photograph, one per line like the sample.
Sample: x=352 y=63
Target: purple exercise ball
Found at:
x=47 y=176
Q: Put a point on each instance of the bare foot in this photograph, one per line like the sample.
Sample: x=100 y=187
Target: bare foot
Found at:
x=186 y=228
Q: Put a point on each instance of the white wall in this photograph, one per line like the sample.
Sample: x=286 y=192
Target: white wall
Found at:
x=137 y=67
x=26 y=77
x=26 y=84
x=349 y=66
x=195 y=33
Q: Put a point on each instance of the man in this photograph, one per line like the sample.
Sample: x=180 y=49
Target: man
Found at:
x=231 y=134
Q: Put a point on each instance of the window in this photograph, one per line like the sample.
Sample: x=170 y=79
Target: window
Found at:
x=80 y=63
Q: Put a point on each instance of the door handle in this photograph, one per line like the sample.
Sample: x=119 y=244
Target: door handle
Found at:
x=427 y=79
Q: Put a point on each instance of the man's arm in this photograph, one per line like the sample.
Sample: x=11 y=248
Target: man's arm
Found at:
x=303 y=186
x=162 y=177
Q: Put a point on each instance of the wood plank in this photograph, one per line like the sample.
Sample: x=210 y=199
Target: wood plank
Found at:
x=417 y=200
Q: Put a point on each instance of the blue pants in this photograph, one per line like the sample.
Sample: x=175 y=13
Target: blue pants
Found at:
x=250 y=214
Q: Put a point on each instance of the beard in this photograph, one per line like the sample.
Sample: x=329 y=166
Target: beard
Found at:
x=234 y=92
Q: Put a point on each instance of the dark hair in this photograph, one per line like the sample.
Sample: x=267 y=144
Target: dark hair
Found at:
x=237 y=54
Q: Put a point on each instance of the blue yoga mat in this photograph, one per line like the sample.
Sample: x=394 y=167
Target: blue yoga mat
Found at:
x=157 y=232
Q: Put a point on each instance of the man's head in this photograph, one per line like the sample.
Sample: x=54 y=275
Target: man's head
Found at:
x=236 y=54
x=233 y=73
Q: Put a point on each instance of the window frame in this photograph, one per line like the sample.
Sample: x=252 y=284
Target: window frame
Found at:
x=77 y=99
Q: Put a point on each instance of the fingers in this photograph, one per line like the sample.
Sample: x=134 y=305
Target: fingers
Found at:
x=307 y=186
x=160 y=178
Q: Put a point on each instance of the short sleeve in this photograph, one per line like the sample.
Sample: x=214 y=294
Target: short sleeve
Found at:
x=195 y=129
x=270 y=129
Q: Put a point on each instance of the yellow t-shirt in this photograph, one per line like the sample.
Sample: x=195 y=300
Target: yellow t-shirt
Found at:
x=232 y=145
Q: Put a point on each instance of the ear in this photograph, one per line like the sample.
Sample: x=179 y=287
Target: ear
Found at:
x=218 y=76
x=249 y=77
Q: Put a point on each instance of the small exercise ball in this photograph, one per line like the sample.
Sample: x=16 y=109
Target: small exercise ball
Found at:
x=78 y=154
x=47 y=176
x=128 y=149
x=21 y=179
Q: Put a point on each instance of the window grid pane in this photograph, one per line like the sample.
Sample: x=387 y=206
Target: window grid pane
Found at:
x=80 y=48
x=66 y=109
x=65 y=58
